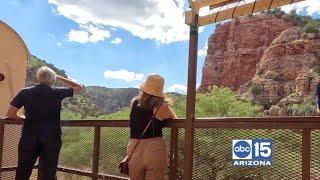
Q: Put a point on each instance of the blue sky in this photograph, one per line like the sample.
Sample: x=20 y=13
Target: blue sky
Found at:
x=109 y=42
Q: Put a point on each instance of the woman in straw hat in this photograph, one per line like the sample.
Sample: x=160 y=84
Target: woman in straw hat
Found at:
x=147 y=150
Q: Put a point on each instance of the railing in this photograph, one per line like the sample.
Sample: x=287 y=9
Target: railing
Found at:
x=296 y=148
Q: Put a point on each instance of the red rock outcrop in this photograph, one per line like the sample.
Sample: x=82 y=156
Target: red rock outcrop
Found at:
x=236 y=48
x=288 y=66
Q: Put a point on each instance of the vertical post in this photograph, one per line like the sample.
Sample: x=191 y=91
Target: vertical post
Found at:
x=1 y=141
x=96 y=152
x=191 y=98
x=173 y=154
x=306 y=154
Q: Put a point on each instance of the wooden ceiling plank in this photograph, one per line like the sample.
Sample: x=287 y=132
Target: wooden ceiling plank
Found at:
x=223 y=4
x=242 y=10
x=203 y=3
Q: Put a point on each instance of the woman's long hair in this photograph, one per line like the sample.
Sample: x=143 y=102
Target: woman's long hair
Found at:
x=149 y=102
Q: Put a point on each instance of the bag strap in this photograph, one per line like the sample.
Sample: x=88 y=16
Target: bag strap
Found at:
x=144 y=131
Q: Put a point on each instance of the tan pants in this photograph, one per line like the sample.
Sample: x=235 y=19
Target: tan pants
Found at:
x=149 y=159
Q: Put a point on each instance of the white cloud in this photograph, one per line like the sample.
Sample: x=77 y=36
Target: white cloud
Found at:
x=51 y=35
x=179 y=88
x=203 y=52
x=160 y=20
x=312 y=7
x=59 y=44
x=78 y=36
x=116 y=41
x=123 y=74
x=88 y=33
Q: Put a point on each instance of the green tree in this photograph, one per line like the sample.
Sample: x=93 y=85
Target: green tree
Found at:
x=120 y=115
x=222 y=102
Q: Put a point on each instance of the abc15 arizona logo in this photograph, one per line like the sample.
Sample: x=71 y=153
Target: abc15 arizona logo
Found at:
x=252 y=152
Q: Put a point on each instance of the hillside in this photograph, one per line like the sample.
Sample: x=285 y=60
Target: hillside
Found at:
x=109 y=100
x=271 y=58
x=93 y=102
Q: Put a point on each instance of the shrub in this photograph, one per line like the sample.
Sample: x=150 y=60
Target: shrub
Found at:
x=222 y=102
x=256 y=89
x=306 y=108
x=261 y=73
x=312 y=27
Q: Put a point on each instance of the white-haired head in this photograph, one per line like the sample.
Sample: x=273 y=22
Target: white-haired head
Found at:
x=46 y=75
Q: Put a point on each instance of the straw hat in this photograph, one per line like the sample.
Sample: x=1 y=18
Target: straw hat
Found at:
x=153 y=85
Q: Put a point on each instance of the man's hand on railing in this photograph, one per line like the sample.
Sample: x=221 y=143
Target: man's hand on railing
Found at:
x=14 y=114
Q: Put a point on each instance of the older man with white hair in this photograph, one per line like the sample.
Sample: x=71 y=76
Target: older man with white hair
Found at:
x=41 y=133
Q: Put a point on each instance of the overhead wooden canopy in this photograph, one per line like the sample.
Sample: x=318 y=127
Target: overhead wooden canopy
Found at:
x=228 y=9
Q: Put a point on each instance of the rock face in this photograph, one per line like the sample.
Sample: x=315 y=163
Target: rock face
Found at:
x=289 y=65
x=265 y=59
x=236 y=48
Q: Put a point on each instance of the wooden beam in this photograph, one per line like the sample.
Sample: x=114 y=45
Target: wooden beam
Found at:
x=191 y=100
x=223 y=4
x=243 y=10
x=203 y=3
x=96 y=152
x=306 y=148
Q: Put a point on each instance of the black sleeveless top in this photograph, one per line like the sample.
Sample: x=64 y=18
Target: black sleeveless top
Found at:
x=139 y=119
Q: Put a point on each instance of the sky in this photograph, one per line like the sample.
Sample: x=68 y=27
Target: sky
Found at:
x=114 y=43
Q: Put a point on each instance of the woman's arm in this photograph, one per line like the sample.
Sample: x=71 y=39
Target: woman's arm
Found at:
x=165 y=112
x=14 y=114
x=74 y=85
x=132 y=102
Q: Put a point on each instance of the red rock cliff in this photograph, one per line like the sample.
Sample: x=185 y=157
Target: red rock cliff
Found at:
x=290 y=65
x=236 y=47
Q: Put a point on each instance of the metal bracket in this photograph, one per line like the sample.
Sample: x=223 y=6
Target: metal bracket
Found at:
x=194 y=29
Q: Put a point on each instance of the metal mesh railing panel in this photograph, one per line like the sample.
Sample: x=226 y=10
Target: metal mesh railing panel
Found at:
x=77 y=148
x=212 y=152
x=315 y=155
x=181 y=141
x=213 y=155
x=113 y=146
x=12 y=134
x=8 y=175
x=166 y=136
